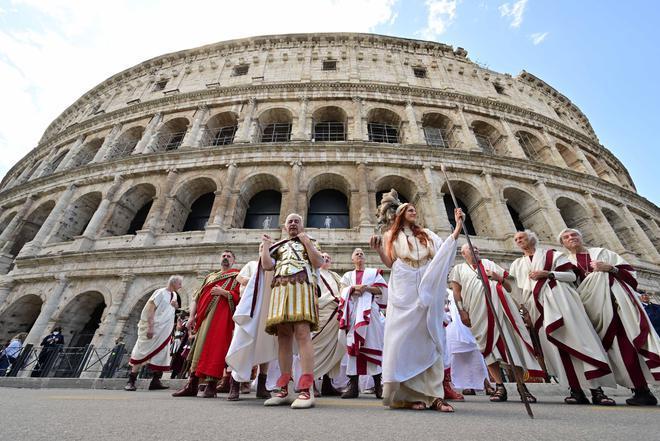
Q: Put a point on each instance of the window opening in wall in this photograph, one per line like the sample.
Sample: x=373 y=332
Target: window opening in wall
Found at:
x=329 y=131
x=276 y=132
x=420 y=72
x=173 y=140
x=240 y=70
x=160 y=85
x=484 y=144
x=515 y=217
x=200 y=211
x=449 y=208
x=140 y=217
x=329 y=65
x=224 y=136
x=527 y=145
x=263 y=210
x=381 y=132
x=328 y=209
x=499 y=88
x=436 y=137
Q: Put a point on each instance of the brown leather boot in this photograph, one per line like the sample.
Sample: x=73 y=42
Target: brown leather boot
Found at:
x=210 y=391
x=378 y=386
x=223 y=387
x=234 y=390
x=327 y=389
x=190 y=389
x=155 y=383
x=450 y=393
x=130 y=385
x=353 y=389
x=245 y=387
x=262 y=392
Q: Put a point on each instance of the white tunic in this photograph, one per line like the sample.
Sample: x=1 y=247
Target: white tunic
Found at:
x=484 y=328
x=361 y=323
x=413 y=367
x=562 y=325
x=599 y=292
x=328 y=349
x=155 y=351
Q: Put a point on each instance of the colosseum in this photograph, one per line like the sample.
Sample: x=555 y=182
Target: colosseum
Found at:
x=160 y=167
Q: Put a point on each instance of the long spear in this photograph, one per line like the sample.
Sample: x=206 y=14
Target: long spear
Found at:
x=516 y=374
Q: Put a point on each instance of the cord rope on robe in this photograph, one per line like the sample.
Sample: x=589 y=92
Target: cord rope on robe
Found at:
x=516 y=374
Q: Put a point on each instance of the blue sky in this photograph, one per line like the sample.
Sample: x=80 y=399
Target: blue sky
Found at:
x=601 y=54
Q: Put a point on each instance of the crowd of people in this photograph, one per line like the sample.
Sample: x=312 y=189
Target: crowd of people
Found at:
x=296 y=329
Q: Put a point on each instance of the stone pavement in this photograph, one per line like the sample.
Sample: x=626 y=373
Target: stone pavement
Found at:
x=81 y=414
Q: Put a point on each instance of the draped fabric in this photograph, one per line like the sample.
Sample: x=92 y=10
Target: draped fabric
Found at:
x=571 y=348
x=155 y=350
x=613 y=306
x=328 y=348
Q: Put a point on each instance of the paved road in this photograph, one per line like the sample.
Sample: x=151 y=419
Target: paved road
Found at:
x=75 y=414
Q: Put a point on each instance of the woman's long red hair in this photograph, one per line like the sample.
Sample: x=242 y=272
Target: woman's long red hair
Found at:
x=397 y=225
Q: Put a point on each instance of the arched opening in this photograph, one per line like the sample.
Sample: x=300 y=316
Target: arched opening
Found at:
x=328 y=209
x=329 y=124
x=80 y=318
x=270 y=203
x=439 y=130
x=530 y=144
x=383 y=125
x=220 y=129
x=623 y=231
x=131 y=211
x=200 y=211
x=182 y=215
x=125 y=143
x=19 y=316
x=171 y=135
x=649 y=233
x=472 y=203
x=576 y=216
x=570 y=158
x=31 y=226
x=77 y=217
x=526 y=213
x=4 y=222
x=486 y=136
x=52 y=166
x=275 y=125
x=87 y=153
x=263 y=210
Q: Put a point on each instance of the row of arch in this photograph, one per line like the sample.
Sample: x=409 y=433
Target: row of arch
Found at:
x=259 y=206
x=329 y=123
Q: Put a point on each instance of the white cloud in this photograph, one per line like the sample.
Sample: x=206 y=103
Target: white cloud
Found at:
x=515 y=12
x=538 y=37
x=63 y=48
x=441 y=14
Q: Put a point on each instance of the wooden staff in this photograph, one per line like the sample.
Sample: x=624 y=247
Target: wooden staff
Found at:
x=516 y=375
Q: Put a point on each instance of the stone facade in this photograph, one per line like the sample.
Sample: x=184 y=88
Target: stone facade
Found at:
x=104 y=209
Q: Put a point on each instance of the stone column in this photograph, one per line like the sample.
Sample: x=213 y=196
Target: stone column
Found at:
x=463 y=136
x=438 y=215
x=415 y=135
x=550 y=210
x=108 y=143
x=92 y=230
x=40 y=327
x=512 y=144
x=193 y=138
x=6 y=284
x=294 y=186
x=360 y=132
x=9 y=233
x=643 y=240
x=149 y=139
x=157 y=214
x=302 y=133
x=604 y=231
x=245 y=122
x=33 y=247
x=108 y=331
x=221 y=213
x=554 y=153
x=583 y=159
x=366 y=217
x=73 y=151
x=503 y=224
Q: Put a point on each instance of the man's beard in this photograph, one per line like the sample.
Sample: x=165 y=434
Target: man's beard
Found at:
x=225 y=262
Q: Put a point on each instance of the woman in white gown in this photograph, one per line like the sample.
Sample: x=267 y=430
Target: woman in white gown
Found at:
x=413 y=367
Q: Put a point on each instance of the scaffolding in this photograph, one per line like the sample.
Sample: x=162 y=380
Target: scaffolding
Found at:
x=381 y=132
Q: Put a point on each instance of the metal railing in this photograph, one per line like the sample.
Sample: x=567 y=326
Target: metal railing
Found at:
x=70 y=362
x=220 y=136
x=170 y=141
x=276 y=132
x=329 y=131
x=380 y=132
